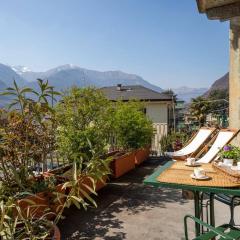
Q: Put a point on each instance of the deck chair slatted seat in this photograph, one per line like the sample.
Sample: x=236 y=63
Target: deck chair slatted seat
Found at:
x=199 y=139
x=224 y=137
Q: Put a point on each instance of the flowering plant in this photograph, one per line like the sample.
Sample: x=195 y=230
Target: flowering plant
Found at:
x=230 y=152
x=177 y=145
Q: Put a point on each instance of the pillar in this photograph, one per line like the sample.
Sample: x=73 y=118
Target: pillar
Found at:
x=234 y=76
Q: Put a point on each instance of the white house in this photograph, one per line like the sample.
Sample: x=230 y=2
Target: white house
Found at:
x=159 y=107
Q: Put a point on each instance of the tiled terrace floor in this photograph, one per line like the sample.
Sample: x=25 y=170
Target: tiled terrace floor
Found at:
x=129 y=210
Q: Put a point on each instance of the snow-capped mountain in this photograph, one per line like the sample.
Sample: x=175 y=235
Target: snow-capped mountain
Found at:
x=8 y=75
x=20 y=69
x=65 y=76
x=68 y=75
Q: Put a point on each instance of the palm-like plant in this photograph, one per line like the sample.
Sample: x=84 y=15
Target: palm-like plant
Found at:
x=199 y=109
x=28 y=133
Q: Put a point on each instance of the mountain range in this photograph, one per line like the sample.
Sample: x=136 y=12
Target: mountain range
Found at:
x=65 y=76
x=187 y=93
x=220 y=84
x=69 y=75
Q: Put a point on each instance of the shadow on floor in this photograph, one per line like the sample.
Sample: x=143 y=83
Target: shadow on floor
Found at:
x=126 y=196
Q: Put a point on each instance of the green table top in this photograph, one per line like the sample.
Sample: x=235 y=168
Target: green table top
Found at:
x=152 y=180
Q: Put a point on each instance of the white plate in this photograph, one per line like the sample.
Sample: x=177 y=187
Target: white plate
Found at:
x=193 y=165
x=235 y=168
x=200 y=178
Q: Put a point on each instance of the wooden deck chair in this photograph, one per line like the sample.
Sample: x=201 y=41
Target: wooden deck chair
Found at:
x=224 y=136
x=194 y=145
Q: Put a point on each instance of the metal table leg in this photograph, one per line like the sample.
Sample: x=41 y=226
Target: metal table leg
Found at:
x=197 y=211
x=212 y=215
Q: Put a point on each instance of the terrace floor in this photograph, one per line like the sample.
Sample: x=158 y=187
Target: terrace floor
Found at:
x=129 y=210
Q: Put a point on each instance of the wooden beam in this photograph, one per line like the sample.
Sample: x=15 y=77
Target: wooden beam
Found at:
x=203 y=5
x=224 y=12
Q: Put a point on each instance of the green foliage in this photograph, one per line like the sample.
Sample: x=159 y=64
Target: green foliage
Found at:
x=199 y=109
x=174 y=140
x=84 y=117
x=15 y=226
x=27 y=134
x=220 y=100
x=79 y=128
x=131 y=126
x=230 y=152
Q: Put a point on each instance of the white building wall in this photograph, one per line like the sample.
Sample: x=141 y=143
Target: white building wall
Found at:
x=158 y=113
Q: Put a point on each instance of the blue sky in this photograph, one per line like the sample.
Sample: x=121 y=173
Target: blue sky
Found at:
x=167 y=42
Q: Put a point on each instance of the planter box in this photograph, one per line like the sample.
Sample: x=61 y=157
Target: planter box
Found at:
x=123 y=164
x=37 y=205
x=99 y=184
x=141 y=155
x=55 y=201
x=43 y=203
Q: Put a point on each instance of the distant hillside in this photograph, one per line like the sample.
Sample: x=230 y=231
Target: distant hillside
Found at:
x=187 y=93
x=220 y=84
x=69 y=75
x=3 y=99
x=7 y=75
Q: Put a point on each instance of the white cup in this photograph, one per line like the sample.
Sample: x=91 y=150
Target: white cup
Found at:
x=190 y=161
x=238 y=166
x=199 y=172
x=228 y=162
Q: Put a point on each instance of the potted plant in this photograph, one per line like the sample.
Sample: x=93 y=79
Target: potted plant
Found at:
x=142 y=154
x=84 y=117
x=229 y=155
x=132 y=131
x=174 y=141
x=27 y=138
x=43 y=197
x=17 y=224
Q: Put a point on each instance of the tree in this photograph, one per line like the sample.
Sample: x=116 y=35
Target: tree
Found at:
x=132 y=128
x=84 y=117
x=219 y=102
x=199 y=109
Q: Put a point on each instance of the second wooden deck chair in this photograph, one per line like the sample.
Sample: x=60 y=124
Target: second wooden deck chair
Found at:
x=194 y=145
x=225 y=136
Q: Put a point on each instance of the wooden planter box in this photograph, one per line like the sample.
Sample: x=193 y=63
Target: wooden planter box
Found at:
x=43 y=203
x=99 y=184
x=86 y=180
x=141 y=155
x=123 y=164
x=37 y=205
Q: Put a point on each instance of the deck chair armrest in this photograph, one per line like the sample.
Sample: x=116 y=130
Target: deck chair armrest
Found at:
x=219 y=233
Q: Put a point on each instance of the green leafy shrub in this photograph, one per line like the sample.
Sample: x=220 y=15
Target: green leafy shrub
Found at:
x=27 y=134
x=230 y=152
x=84 y=117
x=18 y=228
x=173 y=141
x=132 y=129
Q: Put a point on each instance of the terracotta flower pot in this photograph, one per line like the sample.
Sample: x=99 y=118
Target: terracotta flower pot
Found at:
x=37 y=205
x=141 y=155
x=56 y=233
x=56 y=201
x=87 y=181
x=123 y=164
x=44 y=202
